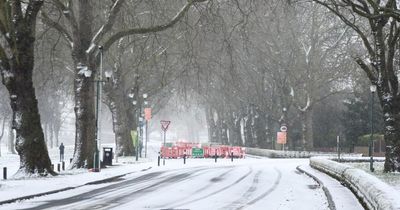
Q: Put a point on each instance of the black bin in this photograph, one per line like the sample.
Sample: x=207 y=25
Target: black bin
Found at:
x=107 y=155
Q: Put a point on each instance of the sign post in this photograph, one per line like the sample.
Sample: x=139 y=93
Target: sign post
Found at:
x=147 y=117
x=282 y=136
x=338 y=147
x=164 y=127
x=281 y=139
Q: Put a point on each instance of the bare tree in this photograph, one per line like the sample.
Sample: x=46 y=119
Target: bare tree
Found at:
x=78 y=27
x=2 y=130
x=377 y=25
x=17 y=28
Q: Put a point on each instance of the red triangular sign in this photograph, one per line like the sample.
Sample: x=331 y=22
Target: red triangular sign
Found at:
x=164 y=124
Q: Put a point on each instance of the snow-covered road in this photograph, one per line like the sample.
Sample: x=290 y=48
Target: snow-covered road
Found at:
x=200 y=184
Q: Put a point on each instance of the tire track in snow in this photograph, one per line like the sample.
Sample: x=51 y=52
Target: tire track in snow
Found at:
x=216 y=191
x=247 y=194
x=219 y=177
x=96 y=192
x=258 y=198
x=116 y=198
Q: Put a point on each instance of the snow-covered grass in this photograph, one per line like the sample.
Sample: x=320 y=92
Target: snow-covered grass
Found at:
x=11 y=161
x=392 y=179
x=14 y=187
x=375 y=193
x=294 y=154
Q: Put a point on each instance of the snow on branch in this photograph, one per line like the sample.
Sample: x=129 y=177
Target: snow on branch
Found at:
x=307 y=106
x=68 y=13
x=108 y=24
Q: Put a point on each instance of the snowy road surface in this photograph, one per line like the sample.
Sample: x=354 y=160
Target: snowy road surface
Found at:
x=200 y=184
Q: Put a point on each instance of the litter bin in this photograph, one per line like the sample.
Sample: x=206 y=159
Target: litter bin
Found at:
x=107 y=155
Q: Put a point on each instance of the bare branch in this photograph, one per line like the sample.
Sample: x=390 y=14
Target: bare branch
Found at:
x=57 y=26
x=68 y=13
x=32 y=11
x=157 y=28
x=109 y=23
x=366 y=69
x=335 y=10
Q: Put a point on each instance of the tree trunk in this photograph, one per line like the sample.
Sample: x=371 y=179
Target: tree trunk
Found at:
x=85 y=124
x=11 y=139
x=16 y=72
x=212 y=127
x=30 y=143
x=391 y=110
x=248 y=131
x=307 y=143
x=84 y=88
x=57 y=134
x=51 y=136
x=2 y=132
x=260 y=129
x=45 y=132
x=224 y=132
x=269 y=132
x=234 y=130
x=121 y=124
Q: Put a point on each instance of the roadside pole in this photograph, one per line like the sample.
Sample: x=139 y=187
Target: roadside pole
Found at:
x=338 y=147
x=164 y=127
x=165 y=136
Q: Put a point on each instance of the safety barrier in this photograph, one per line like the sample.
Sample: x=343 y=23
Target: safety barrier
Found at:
x=198 y=151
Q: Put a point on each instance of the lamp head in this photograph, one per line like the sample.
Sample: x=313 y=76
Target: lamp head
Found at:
x=108 y=74
x=144 y=95
x=372 y=88
x=87 y=73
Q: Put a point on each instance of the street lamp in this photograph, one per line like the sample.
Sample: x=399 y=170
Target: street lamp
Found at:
x=139 y=130
x=88 y=73
x=147 y=133
x=371 y=142
x=133 y=95
x=141 y=122
x=283 y=126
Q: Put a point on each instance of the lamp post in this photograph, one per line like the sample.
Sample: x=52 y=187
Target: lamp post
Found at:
x=99 y=80
x=371 y=142
x=145 y=105
x=139 y=117
x=283 y=125
x=134 y=102
x=141 y=122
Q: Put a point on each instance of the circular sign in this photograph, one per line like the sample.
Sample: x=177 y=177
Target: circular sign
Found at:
x=283 y=128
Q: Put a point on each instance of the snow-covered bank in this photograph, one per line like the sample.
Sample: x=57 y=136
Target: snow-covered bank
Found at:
x=372 y=191
x=392 y=179
x=293 y=154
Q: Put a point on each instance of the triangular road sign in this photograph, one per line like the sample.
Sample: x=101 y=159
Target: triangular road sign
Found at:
x=165 y=124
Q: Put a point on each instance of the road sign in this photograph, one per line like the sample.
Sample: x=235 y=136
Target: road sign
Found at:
x=165 y=124
x=147 y=113
x=281 y=138
x=283 y=128
x=134 y=137
x=197 y=152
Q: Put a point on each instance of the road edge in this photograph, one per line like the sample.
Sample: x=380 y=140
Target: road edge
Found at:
x=331 y=203
x=101 y=181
